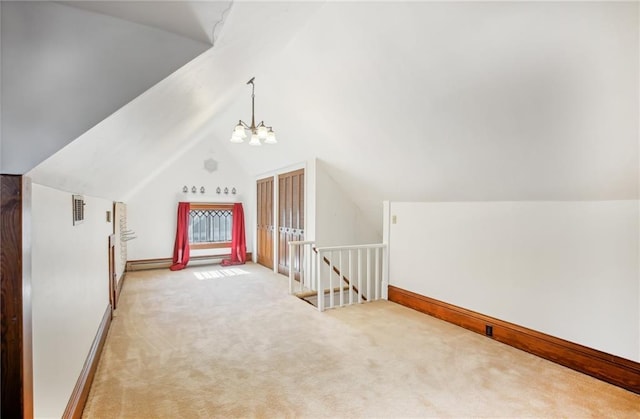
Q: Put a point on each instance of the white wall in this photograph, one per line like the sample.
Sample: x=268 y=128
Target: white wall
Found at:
x=70 y=292
x=568 y=269
x=310 y=199
x=638 y=119
x=152 y=210
x=339 y=221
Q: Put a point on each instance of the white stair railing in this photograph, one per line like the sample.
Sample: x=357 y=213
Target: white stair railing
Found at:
x=362 y=267
x=355 y=273
x=304 y=250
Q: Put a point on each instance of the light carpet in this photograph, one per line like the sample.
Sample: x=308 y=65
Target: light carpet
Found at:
x=230 y=342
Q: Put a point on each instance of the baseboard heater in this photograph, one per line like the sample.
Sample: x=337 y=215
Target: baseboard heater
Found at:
x=165 y=263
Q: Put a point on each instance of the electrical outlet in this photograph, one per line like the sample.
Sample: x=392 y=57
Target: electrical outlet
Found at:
x=488 y=330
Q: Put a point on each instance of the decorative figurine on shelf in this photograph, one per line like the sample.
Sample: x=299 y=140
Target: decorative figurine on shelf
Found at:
x=233 y=191
x=193 y=189
x=218 y=190
x=185 y=189
x=201 y=189
x=226 y=191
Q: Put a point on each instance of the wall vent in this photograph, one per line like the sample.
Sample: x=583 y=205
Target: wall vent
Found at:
x=78 y=209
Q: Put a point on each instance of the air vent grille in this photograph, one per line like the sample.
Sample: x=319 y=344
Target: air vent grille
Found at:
x=78 y=209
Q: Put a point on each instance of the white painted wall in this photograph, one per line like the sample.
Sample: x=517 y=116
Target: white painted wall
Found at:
x=66 y=69
x=70 y=292
x=0 y=90
x=339 y=221
x=568 y=269
x=310 y=199
x=152 y=210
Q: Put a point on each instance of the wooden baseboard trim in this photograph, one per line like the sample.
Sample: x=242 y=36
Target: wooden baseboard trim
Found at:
x=119 y=287
x=606 y=367
x=165 y=263
x=83 y=385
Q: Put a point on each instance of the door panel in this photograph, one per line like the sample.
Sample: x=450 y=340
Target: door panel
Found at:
x=290 y=217
x=113 y=287
x=265 y=222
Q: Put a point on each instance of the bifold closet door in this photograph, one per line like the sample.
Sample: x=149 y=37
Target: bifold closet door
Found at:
x=265 y=222
x=290 y=217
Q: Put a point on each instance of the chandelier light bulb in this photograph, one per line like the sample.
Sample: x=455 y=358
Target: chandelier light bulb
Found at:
x=238 y=134
x=255 y=140
x=239 y=131
x=262 y=132
x=236 y=139
x=271 y=137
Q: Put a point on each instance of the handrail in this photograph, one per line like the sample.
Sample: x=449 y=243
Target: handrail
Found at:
x=366 y=262
x=354 y=247
x=302 y=242
x=365 y=266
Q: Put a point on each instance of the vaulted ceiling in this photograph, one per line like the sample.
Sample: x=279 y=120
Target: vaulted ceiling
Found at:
x=402 y=101
x=201 y=21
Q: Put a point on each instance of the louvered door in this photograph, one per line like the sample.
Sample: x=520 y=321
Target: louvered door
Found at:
x=265 y=222
x=290 y=217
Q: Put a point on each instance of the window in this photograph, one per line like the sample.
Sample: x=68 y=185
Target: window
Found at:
x=210 y=225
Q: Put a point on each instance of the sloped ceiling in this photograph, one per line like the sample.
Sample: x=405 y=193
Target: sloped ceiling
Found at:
x=64 y=69
x=197 y=20
x=401 y=101
x=126 y=150
x=463 y=101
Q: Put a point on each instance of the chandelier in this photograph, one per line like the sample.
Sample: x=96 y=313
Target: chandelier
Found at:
x=258 y=132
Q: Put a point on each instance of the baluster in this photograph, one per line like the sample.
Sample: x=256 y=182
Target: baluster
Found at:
x=320 y=288
x=368 y=274
x=309 y=283
x=330 y=279
x=300 y=253
x=350 y=278
x=359 y=276
x=305 y=266
x=313 y=268
x=291 y=273
x=377 y=284
x=385 y=273
x=340 y=281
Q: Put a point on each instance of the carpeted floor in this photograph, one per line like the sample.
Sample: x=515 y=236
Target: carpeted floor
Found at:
x=230 y=342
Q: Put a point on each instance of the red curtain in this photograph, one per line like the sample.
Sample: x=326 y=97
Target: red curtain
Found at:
x=181 y=247
x=238 y=240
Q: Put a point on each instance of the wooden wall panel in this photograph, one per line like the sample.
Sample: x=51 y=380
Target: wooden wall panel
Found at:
x=15 y=318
